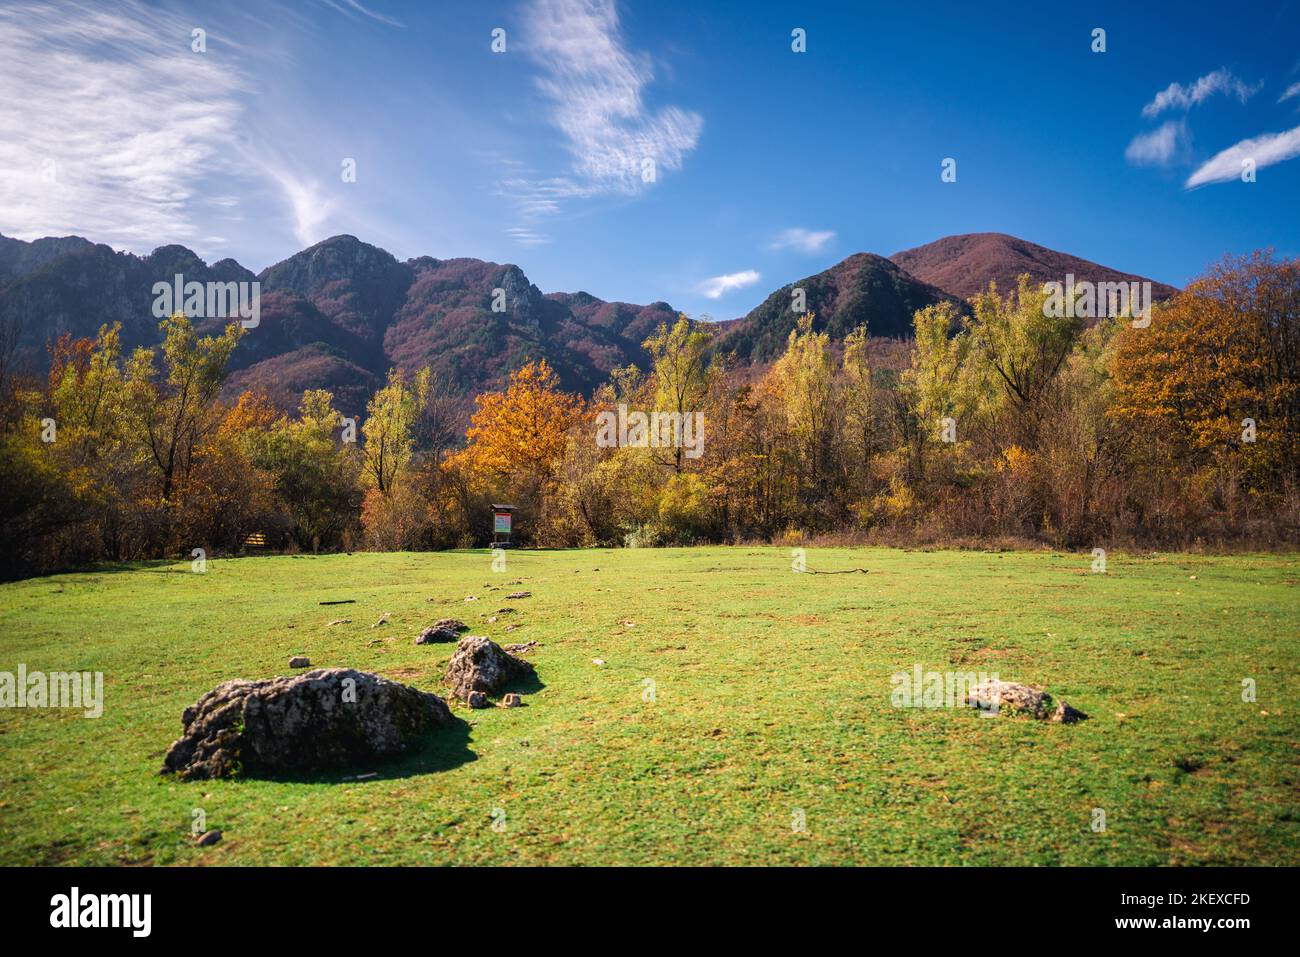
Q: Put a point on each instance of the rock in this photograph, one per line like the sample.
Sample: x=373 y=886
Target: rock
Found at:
x=437 y=633
x=476 y=699
x=480 y=664
x=383 y=619
x=299 y=661
x=1005 y=696
x=597 y=661
x=512 y=700
x=505 y=611
x=208 y=838
x=521 y=648
x=1064 y=714
x=322 y=720
x=520 y=594
x=454 y=624
x=339 y=621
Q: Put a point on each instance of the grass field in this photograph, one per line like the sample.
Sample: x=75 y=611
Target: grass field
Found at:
x=771 y=694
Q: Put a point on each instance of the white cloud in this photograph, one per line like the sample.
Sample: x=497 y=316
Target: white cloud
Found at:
x=527 y=237
x=1292 y=90
x=310 y=205
x=1177 y=96
x=109 y=124
x=1265 y=150
x=718 y=286
x=804 y=240
x=595 y=87
x=1158 y=147
x=346 y=6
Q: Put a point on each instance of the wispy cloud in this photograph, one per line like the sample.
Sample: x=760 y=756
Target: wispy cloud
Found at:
x=1178 y=96
x=1158 y=147
x=718 y=286
x=1291 y=91
x=803 y=240
x=527 y=237
x=348 y=7
x=594 y=87
x=309 y=204
x=109 y=123
x=1265 y=150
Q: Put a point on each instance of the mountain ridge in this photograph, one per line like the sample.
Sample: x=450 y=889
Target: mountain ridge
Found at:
x=964 y=264
x=342 y=312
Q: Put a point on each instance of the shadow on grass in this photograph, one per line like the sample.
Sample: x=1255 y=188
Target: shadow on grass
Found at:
x=529 y=684
x=448 y=748
x=158 y=565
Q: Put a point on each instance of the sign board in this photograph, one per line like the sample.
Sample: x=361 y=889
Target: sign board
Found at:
x=501 y=523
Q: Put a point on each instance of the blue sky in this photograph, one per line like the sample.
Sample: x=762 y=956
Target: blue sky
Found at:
x=769 y=164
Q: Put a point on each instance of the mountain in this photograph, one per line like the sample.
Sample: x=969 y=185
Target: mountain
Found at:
x=864 y=289
x=337 y=315
x=964 y=265
x=340 y=314
x=18 y=258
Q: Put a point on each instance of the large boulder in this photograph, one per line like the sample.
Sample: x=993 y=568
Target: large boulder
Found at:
x=1018 y=699
x=479 y=664
x=325 y=719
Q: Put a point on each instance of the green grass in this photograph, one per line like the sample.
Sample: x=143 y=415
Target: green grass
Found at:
x=771 y=694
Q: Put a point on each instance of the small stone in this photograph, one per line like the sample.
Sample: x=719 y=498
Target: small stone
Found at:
x=453 y=623
x=299 y=661
x=512 y=700
x=383 y=619
x=208 y=838
x=476 y=699
x=471 y=597
x=1005 y=697
x=520 y=648
x=1064 y=714
x=339 y=621
x=520 y=594
x=505 y=611
x=437 y=633
x=597 y=661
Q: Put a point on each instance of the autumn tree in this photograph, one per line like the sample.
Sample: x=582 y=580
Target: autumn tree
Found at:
x=680 y=373
x=175 y=411
x=519 y=434
x=1224 y=351
x=389 y=430
x=315 y=476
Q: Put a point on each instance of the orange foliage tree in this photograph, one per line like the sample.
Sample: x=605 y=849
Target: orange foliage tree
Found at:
x=516 y=440
x=518 y=435
x=1217 y=373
